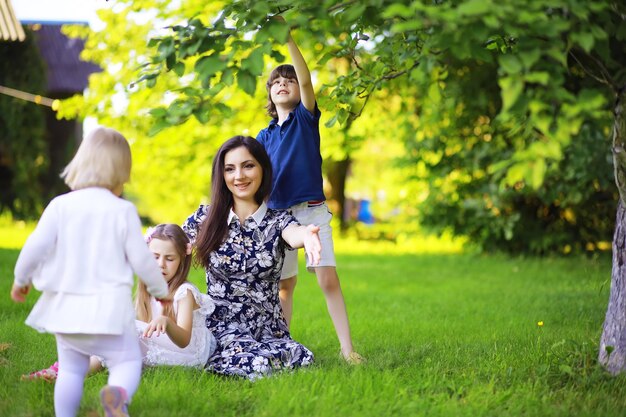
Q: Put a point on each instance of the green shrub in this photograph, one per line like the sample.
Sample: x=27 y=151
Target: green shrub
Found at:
x=23 y=153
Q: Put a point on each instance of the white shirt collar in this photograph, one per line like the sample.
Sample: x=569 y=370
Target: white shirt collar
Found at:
x=257 y=216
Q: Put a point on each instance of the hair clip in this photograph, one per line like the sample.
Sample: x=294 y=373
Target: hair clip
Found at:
x=149 y=232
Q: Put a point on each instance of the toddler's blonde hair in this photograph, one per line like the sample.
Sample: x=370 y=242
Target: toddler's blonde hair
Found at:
x=103 y=159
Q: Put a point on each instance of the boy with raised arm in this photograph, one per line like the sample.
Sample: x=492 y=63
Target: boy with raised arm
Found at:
x=292 y=141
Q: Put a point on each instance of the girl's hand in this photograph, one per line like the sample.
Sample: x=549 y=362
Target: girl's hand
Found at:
x=312 y=244
x=156 y=327
x=18 y=294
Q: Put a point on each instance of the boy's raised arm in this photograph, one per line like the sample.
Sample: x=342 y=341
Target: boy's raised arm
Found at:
x=307 y=93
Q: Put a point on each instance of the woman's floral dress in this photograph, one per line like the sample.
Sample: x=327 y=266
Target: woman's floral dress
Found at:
x=252 y=336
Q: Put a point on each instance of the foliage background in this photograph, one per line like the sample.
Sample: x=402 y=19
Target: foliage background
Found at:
x=490 y=120
x=23 y=153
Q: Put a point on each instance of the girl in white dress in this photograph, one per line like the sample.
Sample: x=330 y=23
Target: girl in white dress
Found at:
x=82 y=257
x=174 y=334
x=186 y=340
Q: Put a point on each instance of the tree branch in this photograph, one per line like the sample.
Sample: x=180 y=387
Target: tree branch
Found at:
x=606 y=77
x=353 y=115
x=397 y=74
x=340 y=6
x=375 y=84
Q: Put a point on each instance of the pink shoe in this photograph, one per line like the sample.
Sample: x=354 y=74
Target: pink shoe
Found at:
x=114 y=401
x=49 y=374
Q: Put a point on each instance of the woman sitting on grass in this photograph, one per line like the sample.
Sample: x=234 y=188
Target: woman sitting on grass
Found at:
x=241 y=243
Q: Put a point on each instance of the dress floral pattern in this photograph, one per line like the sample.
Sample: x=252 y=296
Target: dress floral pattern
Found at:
x=252 y=336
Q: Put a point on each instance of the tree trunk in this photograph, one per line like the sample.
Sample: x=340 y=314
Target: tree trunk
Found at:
x=337 y=173
x=612 y=353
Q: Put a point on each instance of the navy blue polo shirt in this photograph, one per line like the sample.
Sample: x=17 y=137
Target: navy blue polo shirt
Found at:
x=294 y=149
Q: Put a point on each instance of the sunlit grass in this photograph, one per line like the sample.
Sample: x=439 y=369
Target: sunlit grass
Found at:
x=403 y=245
x=13 y=234
x=446 y=333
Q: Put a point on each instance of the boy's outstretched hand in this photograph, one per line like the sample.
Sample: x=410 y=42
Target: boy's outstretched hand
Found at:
x=18 y=294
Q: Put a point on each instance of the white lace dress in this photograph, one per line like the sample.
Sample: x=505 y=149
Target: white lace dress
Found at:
x=160 y=350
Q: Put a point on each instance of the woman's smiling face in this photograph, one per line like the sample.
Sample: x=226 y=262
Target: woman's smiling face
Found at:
x=242 y=173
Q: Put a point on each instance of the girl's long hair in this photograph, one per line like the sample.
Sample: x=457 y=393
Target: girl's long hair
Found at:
x=171 y=233
x=214 y=228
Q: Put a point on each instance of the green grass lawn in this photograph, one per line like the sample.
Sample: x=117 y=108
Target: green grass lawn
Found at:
x=445 y=334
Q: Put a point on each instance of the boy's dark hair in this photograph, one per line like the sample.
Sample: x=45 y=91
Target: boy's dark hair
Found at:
x=285 y=71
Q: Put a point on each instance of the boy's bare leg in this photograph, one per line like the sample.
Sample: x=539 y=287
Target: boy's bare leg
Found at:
x=286 y=288
x=328 y=281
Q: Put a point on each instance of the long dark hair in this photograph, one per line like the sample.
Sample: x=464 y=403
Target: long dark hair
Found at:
x=285 y=71
x=172 y=233
x=214 y=228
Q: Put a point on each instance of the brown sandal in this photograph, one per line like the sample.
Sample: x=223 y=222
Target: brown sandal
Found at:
x=353 y=358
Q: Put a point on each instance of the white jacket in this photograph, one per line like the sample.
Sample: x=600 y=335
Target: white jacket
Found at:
x=82 y=256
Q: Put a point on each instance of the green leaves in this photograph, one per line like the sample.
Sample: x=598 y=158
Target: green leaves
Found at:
x=539 y=77
x=278 y=31
x=400 y=10
x=488 y=98
x=510 y=64
x=165 y=50
x=475 y=7
x=538 y=173
x=207 y=66
x=512 y=88
x=254 y=62
x=584 y=39
x=353 y=12
x=179 y=68
x=246 y=81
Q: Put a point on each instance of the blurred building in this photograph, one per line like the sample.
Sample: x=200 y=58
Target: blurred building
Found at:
x=66 y=75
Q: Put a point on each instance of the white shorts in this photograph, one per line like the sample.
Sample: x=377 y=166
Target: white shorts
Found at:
x=319 y=215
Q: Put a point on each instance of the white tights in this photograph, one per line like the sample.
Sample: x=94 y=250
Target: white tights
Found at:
x=122 y=356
